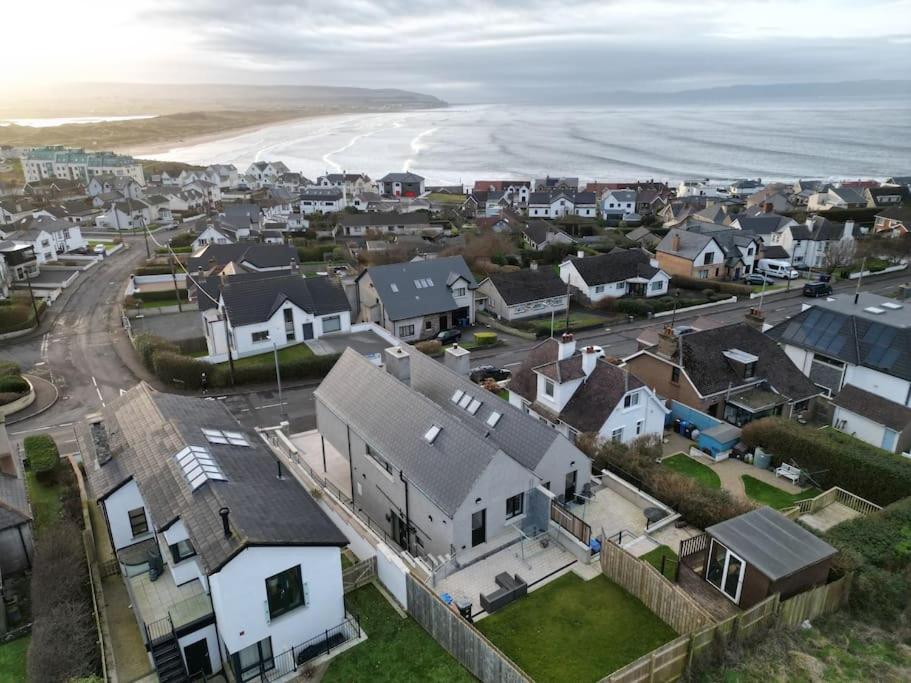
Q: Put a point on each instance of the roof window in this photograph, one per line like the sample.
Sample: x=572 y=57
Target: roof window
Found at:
x=198 y=466
x=473 y=406
x=432 y=433
x=457 y=396
x=219 y=436
x=493 y=419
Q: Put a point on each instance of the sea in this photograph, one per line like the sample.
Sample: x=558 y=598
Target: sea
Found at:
x=462 y=143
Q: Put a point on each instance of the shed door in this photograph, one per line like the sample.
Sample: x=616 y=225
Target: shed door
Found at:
x=725 y=571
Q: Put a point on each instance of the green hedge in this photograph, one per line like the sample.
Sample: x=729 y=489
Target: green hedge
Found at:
x=313 y=367
x=9 y=368
x=153 y=270
x=42 y=454
x=184 y=239
x=734 y=288
x=13 y=384
x=834 y=458
x=181 y=371
x=166 y=296
x=485 y=338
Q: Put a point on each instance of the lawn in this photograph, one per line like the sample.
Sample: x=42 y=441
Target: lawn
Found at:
x=285 y=355
x=397 y=649
x=577 y=321
x=575 y=630
x=684 y=464
x=774 y=497
x=13 y=659
x=45 y=500
x=653 y=557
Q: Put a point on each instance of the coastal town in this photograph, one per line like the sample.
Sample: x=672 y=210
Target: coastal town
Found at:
x=256 y=426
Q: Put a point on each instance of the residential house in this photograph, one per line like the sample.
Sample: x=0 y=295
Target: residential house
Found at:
x=901 y=181
x=20 y=261
x=126 y=215
x=887 y=196
x=539 y=235
x=697 y=188
x=517 y=190
x=894 y=221
x=864 y=343
x=633 y=272
x=322 y=200
x=226 y=174
x=820 y=243
x=229 y=562
x=64 y=236
x=54 y=189
x=247 y=257
x=618 y=204
x=16 y=208
x=124 y=186
x=745 y=188
x=836 y=198
x=644 y=237
x=578 y=392
x=17 y=546
x=562 y=203
x=183 y=201
x=350 y=183
x=244 y=217
x=212 y=232
x=459 y=470
x=505 y=222
x=735 y=372
x=258 y=312
x=40 y=241
x=261 y=173
x=556 y=184
x=79 y=211
x=767 y=226
x=418 y=299
x=405 y=184
x=705 y=255
x=210 y=191
x=160 y=208
x=774 y=198
x=392 y=223
x=523 y=294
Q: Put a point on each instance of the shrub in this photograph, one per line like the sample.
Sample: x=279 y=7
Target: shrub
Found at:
x=313 y=367
x=194 y=345
x=18 y=316
x=734 y=288
x=432 y=347
x=42 y=454
x=184 y=239
x=146 y=344
x=153 y=270
x=63 y=644
x=834 y=459
x=9 y=369
x=59 y=572
x=181 y=371
x=485 y=338
x=636 y=307
x=14 y=385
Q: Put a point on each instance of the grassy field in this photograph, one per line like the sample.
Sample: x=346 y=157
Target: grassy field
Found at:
x=397 y=649
x=774 y=497
x=575 y=630
x=285 y=355
x=684 y=464
x=653 y=557
x=13 y=660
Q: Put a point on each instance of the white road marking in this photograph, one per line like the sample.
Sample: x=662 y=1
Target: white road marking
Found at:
x=509 y=365
x=41 y=429
x=270 y=405
x=94 y=381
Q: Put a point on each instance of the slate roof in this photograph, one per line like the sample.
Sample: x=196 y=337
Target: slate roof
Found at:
x=14 y=506
x=565 y=370
x=538 y=231
x=411 y=301
x=897 y=213
x=874 y=407
x=772 y=543
x=523 y=286
x=253 y=300
x=407 y=177
x=375 y=218
x=615 y=267
x=775 y=251
x=691 y=243
x=848 y=195
x=321 y=194
x=842 y=329
x=762 y=224
x=145 y=430
x=257 y=255
x=643 y=235
x=548 y=197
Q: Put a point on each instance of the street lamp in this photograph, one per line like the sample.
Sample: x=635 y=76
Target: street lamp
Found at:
x=278 y=377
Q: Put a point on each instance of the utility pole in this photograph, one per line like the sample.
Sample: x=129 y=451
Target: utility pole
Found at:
x=863 y=266
x=31 y=293
x=174 y=279
x=278 y=378
x=224 y=319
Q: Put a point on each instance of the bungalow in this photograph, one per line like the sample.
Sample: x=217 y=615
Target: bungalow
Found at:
x=580 y=393
x=64 y=236
x=836 y=198
x=126 y=215
x=228 y=566
x=406 y=184
x=617 y=204
x=562 y=203
x=539 y=235
x=460 y=469
x=215 y=232
x=873 y=418
x=257 y=312
x=523 y=294
x=244 y=217
x=248 y=257
x=322 y=200
x=733 y=372
x=894 y=221
x=16 y=541
x=392 y=223
x=610 y=276
x=418 y=299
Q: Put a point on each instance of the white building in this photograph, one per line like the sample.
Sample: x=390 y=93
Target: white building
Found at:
x=610 y=276
x=77 y=164
x=523 y=294
x=248 y=565
x=261 y=173
x=49 y=236
x=322 y=200
x=618 y=203
x=562 y=203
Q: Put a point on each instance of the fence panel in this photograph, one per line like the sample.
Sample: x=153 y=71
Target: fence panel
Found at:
x=459 y=638
x=811 y=604
x=662 y=665
x=359 y=574
x=575 y=526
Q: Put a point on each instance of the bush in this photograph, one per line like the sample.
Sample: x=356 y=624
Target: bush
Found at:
x=313 y=367
x=180 y=371
x=485 y=338
x=432 y=347
x=42 y=454
x=146 y=344
x=194 y=345
x=153 y=270
x=636 y=307
x=184 y=239
x=59 y=572
x=18 y=316
x=733 y=288
x=165 y=296
x=9 y=369
x=63 y=645
x=835 y=459
x=14 y=385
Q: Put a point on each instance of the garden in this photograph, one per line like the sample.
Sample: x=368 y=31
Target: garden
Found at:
x=578 y=320
x=684 y=464
x=766 y=494
x=575 y=630
x=17 y=313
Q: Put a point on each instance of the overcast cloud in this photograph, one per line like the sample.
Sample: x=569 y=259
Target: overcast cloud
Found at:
x=463 y=50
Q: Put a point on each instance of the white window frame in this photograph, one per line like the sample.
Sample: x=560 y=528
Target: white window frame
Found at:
x=724 y=572
x=549 y=388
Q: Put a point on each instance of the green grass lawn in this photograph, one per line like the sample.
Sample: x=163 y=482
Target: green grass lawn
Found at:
x=684 y=464
x=347 y=561
x=577 y=320
x=396 y=649
x=774 y=497
x=653 y=557
x=13 y=659
x=45 y=500
x=575 y=630
x=285 y=355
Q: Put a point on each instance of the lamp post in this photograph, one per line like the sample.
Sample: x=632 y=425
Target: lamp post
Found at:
x=278 y=378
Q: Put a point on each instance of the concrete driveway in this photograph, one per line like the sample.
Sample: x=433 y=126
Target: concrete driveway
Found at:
x=171 y=326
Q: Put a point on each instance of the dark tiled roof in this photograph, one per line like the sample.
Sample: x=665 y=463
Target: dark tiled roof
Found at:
x=564 y=370
x=615 y=267
x=146 y=430
x=596 y=399
x=897 y=213
x=775 y=251
x=14 y=507
x=874 y=407
x=528 y=285
x=377 y=218
x=253 y=300
x=523 y=381
x=407 y=177
x=537 y=231
x=257 y=255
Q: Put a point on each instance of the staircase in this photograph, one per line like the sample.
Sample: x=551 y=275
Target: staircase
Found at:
x=166 y=652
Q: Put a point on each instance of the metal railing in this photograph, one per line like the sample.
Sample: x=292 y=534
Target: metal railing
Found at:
x=160 y=630
x=298 y=656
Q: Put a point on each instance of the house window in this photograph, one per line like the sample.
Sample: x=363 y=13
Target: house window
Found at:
x=139 y=523
x=638 y=427
x=428 y=324
x=617 y=435
x=254 y=660
x=675 y=375
x=656 y=286
x=703 y=274
x=332 y=323
x=378 y=460
x=182 y=550
x=631 y=400
x=289 y=316
x=459 y=291
x=599 y=289
x=515 y=505
x=261 y=336
x=709 y=258
x=285 y=592
x=548 y=388
x=406 y=330
x=749 y=370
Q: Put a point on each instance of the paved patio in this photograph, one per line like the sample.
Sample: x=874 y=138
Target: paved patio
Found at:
x=365 y=343
x=157 y=599
x=336 y=469
x=829 y=516
x=171 y=326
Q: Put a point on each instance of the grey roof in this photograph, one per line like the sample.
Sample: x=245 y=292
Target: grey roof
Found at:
x=241 y=215
x=253 y=300
x=848 y=195
x=14 y=507
x=874 y=407
x=723 y=432
x=407 y=177
x=145 y=430
x=771 y=542
x=615 y=267
x=837 y=327
x=642 y=235
x=382 y=218
x=762 y=224
x=775 y=251
x=691 y=243
x=321 y=194
x=622 y=195
x=549 y=196
x=257 y=255
x=538 y=231
x=897 y=213
x=523 y=286
x=411 y=300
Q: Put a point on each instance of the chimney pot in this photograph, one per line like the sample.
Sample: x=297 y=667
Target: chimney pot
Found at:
x=567 y=346
x=225 y=525
x=580 y=254
x=675 y=242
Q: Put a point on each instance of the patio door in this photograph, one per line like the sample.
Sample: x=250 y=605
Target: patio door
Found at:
x=725 y=571
x=478 y=527
x=569 y=490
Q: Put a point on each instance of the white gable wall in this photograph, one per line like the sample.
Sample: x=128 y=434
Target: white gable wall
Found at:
x=117 y=507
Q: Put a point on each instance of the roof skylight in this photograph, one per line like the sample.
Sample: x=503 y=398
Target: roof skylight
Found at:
x=394 y=287
x=464 y=401
x=473 y=406
x=875 y=310
x=493 y=418
x=432 y=433
x=457 y=396
x=198 y=466
x=227 y=438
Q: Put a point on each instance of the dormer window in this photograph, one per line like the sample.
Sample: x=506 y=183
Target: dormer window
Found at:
x=631 y=400
x=749 y=370
x=548 y=388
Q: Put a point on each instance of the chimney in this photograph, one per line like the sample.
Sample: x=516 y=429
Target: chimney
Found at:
x=456 y=359
x=675 y=242
x=755 y=318
x=225 y=525
x=848 y=232
x=398 y=363
x=566 y=347
x=667 y=342
x=533 y=265
x=589 y=360
x=767 y=207
x=295 y=268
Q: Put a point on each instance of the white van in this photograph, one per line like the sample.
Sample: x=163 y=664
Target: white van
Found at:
x=777 y=268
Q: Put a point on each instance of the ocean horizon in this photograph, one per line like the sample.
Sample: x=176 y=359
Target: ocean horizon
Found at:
x=461 y=143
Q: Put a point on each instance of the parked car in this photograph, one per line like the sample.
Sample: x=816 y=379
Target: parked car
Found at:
x=757 y=279
x=450 y=336
x=480 y=373
x=815 y=289
x=100 y=250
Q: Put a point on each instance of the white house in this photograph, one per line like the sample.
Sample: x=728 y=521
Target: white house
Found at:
x=580 y=393
x=836 y=198
x=247 y=565
x=106 y=184
x=350 y=183
x=562 y=203
x=214 y=233
x=391 y=223
x=610 y=276
x=745 y=188
x=819 y=242
x=125 y=215
x=226 y=174
x=210 y=191
x=257 y=312
x=62 y=236
x=523 y=294
x=322 y=200
x=261 y=173
x=618 y=203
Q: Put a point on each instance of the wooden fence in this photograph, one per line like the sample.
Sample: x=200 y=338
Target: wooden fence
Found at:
x=460 y=638
x=575 y=526
x=837 y=495
x=359 y=574
x=667 y=600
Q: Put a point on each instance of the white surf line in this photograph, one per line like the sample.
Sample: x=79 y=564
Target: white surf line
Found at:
x=351 y=143
x=417 y=147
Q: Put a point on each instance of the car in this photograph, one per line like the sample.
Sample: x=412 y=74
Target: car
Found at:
x=450 y=336
x=758 y=279
x=815 y=289
x=483 y=372
x=100 y=250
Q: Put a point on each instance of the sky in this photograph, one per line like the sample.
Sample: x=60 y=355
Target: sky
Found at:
x=459 y=50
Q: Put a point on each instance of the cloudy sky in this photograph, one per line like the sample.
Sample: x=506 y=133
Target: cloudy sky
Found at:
x=460 y=50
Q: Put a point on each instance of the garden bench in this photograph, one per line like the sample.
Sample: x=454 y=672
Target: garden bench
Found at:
x=788 y=472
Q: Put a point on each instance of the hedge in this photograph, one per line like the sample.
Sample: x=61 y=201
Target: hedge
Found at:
x=162 y=296
x=431 y=347
x=153 y=270
x=42 y=454
x=485 y=338
x=833 y=459
x=19 y=316
x=734 y=288
x=9 y=368
x=13 y=385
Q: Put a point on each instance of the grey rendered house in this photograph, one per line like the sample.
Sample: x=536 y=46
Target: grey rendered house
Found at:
x=417 y=299
x=441 y=464
x=523 y=294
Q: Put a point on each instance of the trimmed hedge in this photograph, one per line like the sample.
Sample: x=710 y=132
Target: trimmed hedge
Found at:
x=162 y=296
x=431 y=347
x=13 y=384
x=726 y=287
x=485 y=338
x=42 y=454
x=153 y=270
x=834 y=459
x=9 y=369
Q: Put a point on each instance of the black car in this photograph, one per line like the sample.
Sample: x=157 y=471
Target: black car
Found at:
x=479 y=374
x=450 y=336
x=815 y=289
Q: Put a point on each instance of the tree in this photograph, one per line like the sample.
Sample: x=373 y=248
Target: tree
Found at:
x=840 y=253
x=43 y=456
